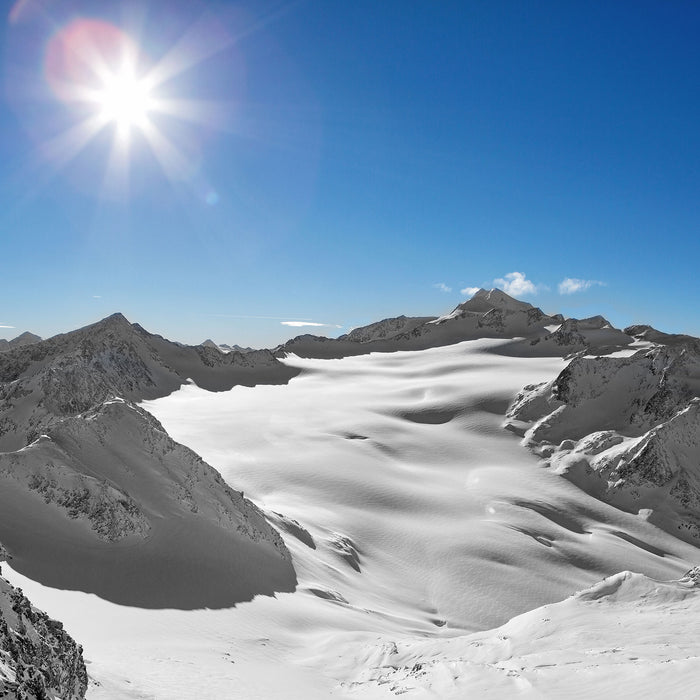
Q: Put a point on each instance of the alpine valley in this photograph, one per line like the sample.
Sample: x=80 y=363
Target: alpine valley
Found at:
x=493 y=503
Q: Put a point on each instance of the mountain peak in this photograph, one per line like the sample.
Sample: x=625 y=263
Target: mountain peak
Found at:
x=115 y=321
x=487 y=299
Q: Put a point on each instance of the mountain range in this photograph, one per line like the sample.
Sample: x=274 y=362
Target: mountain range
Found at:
x=96 y=496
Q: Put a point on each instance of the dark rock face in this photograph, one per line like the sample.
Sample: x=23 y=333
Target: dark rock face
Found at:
x=38 y=659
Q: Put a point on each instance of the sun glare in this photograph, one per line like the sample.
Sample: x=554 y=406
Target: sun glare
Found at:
x=105 y=80
x=124 y=100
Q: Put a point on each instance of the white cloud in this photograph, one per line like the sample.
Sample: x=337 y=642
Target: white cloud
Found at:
x=299 y=324
x=442 y=287
x=1 y=326
x=571 y=285
x=469 y=291
x=516 y=284
x=97 y=296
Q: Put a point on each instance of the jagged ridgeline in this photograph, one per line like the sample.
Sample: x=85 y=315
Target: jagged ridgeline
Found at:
x=38 y=659
x=94 y=494
x=488 y=314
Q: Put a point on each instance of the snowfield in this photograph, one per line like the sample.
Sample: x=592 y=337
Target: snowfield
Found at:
x=436 y=556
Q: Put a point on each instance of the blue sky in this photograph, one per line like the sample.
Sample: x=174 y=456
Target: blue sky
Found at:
x=350 y=161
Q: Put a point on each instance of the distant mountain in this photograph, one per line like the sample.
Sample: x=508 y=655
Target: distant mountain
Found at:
x=488 y=314
x=222 y=347
x=73 y=372
x=25 y=338
x=38 y=659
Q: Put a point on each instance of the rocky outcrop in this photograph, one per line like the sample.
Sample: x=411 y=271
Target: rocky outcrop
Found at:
x=38 y=659
x=625 y=429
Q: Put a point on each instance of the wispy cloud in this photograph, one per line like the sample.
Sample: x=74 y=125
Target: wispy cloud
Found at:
x=516 y=284
x=97 y=296
x=268 y=318
x=299 y=324
x=469 y=291
x=571 y=285
x=3 y=326
x=442 y=287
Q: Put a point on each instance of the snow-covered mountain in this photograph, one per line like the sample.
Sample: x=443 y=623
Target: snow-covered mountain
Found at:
x=96 y=496
x=38 y=659
x=73 y=372
x=487 y=314
x=625 y=429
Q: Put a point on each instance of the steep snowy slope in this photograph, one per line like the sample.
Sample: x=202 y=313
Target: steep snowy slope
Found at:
x=95 y=496
x=107 y=502
x=625 y=429
x=38 y=660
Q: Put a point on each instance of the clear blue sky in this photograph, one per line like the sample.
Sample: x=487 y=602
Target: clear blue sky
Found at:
x=336 y=162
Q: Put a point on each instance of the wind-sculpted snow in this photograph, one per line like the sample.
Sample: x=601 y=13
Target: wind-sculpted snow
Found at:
x=627 y=635
x=416 y=523
x=625 y=429
x=38 y=659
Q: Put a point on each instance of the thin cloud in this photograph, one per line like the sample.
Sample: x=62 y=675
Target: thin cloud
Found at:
x=3 y=326
x=516 y=284
x=572 y=285
x=442 y=287
x=469 y=291
x=299 y=324
x=268 y=318
x=97 y=296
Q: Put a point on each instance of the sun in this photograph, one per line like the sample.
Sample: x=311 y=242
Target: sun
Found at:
x=124 y=100
x=103 y=80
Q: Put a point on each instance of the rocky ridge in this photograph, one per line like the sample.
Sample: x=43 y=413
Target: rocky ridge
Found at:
x=488 y=314
x=625 y=429
x=83 y=466
x=38 y=659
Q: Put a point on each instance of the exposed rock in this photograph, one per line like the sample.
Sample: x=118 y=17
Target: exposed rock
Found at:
x=38 y=659
x=625 y=429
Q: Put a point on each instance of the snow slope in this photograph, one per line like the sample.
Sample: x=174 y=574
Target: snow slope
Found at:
x=108 y=503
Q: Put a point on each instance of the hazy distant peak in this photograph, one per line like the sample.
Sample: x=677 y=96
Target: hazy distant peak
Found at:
x=25 y=339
